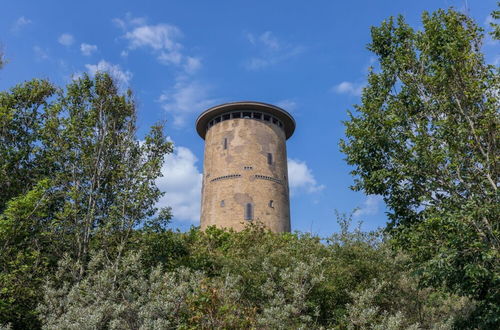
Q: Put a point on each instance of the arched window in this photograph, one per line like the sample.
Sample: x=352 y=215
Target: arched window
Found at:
x=248 y=211
x=270 y=158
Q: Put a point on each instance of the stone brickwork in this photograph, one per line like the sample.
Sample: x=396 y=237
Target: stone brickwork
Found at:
x=245 y=166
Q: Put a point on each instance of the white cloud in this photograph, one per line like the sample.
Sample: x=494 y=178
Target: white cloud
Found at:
x=66 y=39
x=300 y=177
x=40 y=53
x=163 y=41
x=346 y=87
x=370 y=206
x=121 y=77
x=192 y=64
x=181 y=183
x=184 y=99
x=20 y=23
x=287 y=105
x=161 y=36
x=270 y=50
x=127 y=21
x=87 y=49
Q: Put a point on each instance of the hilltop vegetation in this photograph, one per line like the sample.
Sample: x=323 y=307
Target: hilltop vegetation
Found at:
x=83 y=246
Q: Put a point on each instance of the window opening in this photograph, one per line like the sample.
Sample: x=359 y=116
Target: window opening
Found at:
x=225 y=143
x=222 y=203
x=275 y=121
x=270 y=158
x=217 y=120
x=247 y=114
x=267 y=117
x=271 y=203
x=248 y=211
x=257 y=115
x=236 y=115
x=226 y=117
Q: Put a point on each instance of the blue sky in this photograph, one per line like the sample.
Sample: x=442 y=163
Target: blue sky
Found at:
x=180 y=57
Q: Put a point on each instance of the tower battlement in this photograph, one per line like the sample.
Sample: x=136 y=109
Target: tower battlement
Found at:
x=245 y=173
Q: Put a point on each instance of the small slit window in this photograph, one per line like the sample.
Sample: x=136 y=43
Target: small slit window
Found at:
x=271 y=203
x=224 y=143
x=270 y=158
x=222 y=203
x=248 y=211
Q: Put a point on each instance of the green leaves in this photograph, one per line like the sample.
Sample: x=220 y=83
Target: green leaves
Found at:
x=425 y=137
x=72 y=175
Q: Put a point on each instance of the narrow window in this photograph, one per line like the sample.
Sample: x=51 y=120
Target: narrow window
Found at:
x=248 y=211
x=270 y=158
x=222 y=204
x=236 y=115
x=217 y=120
x=267 y=117
x=247 y=114
x=226 y=117
x=225 y=143
x=271 y=203
x=257 y=115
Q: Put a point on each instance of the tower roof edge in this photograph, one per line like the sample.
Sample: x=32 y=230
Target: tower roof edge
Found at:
x=206 y=116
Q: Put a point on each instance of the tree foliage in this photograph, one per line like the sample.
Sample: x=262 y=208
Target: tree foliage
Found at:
x=250 y=279
x=425 y=137
x=72 y=175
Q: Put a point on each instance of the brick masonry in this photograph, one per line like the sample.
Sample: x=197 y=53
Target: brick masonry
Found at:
x=237 y=172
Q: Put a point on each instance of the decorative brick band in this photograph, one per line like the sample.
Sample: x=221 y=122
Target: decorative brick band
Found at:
x=224 y=177
x=264 y=177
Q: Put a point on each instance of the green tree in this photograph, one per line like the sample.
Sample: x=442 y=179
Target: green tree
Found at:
x=425 y=137
x=74 y=177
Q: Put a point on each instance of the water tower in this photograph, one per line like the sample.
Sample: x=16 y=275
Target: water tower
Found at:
x=245 y=176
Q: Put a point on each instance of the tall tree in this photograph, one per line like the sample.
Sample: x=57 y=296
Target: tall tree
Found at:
x=73 y=175
x=425 y=137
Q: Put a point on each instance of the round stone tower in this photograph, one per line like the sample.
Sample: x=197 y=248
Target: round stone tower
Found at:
x=245 y=176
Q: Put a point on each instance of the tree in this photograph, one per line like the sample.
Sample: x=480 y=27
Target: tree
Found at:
x=425 y=137
x=73 y=176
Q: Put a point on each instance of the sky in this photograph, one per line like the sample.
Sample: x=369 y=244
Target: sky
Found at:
x=181 y=57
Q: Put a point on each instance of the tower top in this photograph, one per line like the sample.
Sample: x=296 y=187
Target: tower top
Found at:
x=215 y=113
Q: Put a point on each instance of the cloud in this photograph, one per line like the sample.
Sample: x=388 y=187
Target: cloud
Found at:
x=66 y=39
x=161 y=39
x=346 y=87
x=40 y=53
x=184 y=99
x=370 y=206
x=20 y=23
x=121 y=77
x=158 y=37
x=181 y=183
x=192 y=64
x=270 y=50
x=128 y=21
x=287 y=105
x=87 y=49
x=300 y=177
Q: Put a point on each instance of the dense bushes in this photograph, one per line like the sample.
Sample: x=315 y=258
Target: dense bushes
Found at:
x=250 y=279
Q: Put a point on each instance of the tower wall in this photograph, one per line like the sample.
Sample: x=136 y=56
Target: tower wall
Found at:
x=245 y=163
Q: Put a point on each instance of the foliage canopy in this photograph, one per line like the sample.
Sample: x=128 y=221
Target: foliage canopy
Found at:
x=425 y=137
